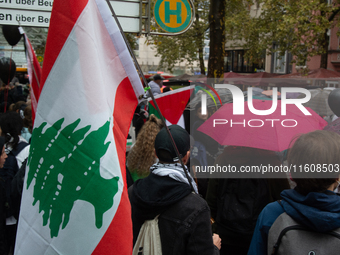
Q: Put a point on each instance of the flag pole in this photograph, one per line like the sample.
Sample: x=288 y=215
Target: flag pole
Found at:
x=150 y=92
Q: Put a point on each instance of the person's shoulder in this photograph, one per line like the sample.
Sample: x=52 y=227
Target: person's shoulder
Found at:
x=194 y=201
x=196 y=197
x=23 y=147
x=274 y=207
x=270 y=213
x=187 y=209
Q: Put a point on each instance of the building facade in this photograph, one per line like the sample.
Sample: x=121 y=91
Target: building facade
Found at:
x=149 y=62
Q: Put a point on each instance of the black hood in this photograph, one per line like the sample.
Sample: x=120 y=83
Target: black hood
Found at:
x=154 y=194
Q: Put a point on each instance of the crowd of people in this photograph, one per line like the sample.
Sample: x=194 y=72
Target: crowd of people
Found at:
x=15 y=135
x=197 y=215
x=234 y=216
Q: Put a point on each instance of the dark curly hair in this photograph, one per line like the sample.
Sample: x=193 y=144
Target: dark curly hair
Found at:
x=11 y=125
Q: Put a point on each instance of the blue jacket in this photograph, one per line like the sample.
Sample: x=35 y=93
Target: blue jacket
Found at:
x=318 y=211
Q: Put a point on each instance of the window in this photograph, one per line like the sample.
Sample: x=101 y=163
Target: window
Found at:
x=239 y=61
x=280 y=62
x=235 y=61
x=228 y=61
x=206 y=51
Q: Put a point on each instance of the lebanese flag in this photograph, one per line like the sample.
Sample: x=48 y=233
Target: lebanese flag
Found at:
x=172 y=105
x=75 y=198
x=34 y=74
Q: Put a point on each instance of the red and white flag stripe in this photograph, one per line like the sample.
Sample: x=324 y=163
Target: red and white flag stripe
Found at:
x=34 y=75
x=88 y=74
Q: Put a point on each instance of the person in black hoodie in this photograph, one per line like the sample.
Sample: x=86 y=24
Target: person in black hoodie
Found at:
x=184 y=216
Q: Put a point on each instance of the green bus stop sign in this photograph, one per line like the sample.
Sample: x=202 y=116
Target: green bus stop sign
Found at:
x=173 y=16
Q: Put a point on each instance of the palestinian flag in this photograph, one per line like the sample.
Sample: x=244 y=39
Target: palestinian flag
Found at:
x=75 y=199
x=172 y=105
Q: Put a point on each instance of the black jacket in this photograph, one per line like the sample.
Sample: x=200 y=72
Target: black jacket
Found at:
x=235 y=205
x=184 y=221
x=3 y=243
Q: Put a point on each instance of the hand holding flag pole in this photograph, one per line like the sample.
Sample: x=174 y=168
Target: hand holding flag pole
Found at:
x=151 y=94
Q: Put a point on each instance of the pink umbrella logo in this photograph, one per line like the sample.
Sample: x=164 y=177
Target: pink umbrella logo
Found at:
x=270 y=131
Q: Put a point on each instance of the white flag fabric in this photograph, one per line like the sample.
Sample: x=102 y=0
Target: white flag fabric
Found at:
x=75 y=198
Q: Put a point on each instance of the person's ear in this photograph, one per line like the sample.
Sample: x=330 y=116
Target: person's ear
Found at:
x=186 y=158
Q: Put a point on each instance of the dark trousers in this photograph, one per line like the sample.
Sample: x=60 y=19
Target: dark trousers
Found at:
x=234 y=247
x=11 y=231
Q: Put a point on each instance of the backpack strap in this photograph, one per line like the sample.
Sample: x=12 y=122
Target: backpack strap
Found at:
x=16 y=189
x=282 y=233
x=12 y=168
x=12 y=157
x=20 y=146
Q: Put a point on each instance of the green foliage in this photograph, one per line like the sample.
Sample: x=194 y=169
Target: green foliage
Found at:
x=65 y=165
x=297 y=26
x=131 y=38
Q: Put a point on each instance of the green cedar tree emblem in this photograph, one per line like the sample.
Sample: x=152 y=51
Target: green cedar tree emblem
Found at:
x=65 y=164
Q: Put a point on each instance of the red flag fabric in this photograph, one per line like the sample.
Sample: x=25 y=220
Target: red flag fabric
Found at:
x=34 y=75
x=75 y=198
x=172 y=103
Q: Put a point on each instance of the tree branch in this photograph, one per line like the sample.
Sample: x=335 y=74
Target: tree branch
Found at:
x=334 y=13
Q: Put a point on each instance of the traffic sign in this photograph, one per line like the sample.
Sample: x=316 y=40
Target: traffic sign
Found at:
x=173 y=16
x=37 y=13
x=40 y=59
x=42 y=5
x=24 y=17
